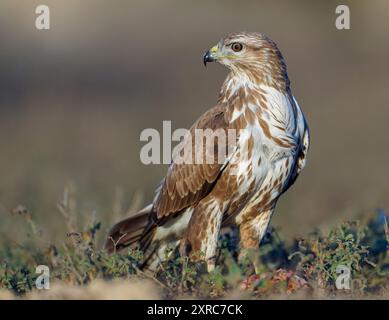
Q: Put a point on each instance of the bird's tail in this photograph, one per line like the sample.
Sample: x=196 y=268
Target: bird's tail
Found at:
x=128 y=231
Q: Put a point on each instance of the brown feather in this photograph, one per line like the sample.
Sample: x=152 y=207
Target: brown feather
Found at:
x=186 y=184
x=128 y=231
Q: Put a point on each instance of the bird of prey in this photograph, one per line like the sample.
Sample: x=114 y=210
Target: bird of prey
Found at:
x=195 y=200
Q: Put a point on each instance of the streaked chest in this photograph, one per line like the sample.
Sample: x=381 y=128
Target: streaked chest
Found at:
x=268 y=138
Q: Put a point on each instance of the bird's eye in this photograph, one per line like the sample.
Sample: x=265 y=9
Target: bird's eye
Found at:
x=236 y=46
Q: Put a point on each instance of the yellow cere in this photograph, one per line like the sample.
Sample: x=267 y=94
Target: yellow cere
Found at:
x=213 y=49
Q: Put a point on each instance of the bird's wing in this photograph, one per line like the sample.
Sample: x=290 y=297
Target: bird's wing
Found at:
x=305 y=138
x=303 y=146
x=187 y=183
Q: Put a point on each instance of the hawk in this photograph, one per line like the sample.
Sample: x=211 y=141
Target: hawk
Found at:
x=196 y=200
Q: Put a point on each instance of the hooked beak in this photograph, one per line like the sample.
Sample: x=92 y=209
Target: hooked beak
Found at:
x=209 y=56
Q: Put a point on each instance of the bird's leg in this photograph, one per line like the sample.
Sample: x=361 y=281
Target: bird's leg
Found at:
x=211 y=264
x=251 y=233
x=201 y=236
x=252 y=255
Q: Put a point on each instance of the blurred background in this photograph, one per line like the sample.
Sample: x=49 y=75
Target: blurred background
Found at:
x=74 y=99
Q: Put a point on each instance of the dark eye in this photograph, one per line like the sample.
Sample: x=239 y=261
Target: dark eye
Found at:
x=236 y=46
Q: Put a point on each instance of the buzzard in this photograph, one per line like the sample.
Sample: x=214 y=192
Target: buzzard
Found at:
x=195 y=200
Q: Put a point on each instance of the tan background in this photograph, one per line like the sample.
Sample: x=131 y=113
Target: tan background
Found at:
x=73 y=100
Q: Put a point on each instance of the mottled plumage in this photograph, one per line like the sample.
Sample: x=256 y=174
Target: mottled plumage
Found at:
x=194 y=201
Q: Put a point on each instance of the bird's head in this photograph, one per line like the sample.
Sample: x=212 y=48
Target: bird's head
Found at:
x=250 y=54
